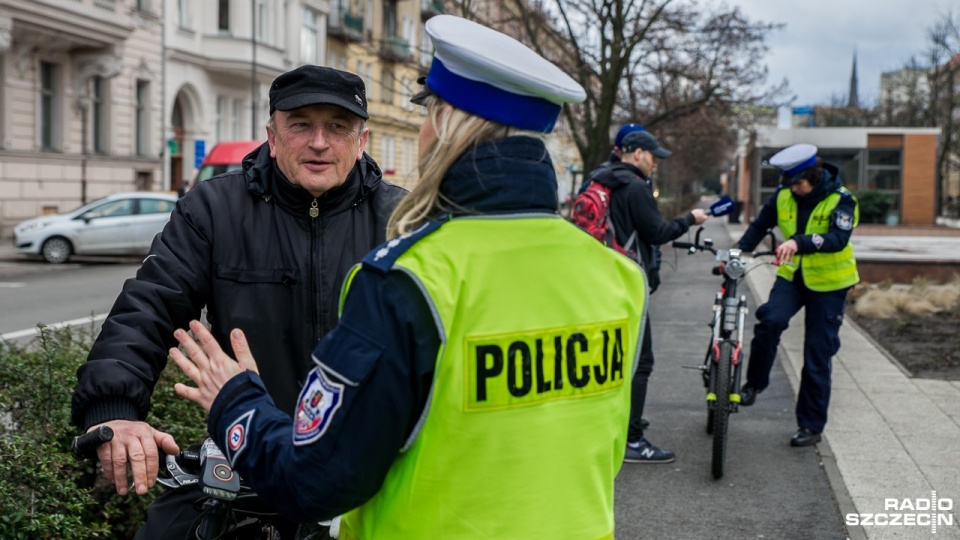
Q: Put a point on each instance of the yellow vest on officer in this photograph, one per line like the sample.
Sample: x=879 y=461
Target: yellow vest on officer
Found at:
x=821 y=271
x=525 y=427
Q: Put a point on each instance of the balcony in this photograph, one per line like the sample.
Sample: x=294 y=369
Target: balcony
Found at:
x=395 y=49
x=429 y=8
x=345 y=26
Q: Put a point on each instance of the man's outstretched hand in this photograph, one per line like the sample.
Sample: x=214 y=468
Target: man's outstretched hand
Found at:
x=207 y=365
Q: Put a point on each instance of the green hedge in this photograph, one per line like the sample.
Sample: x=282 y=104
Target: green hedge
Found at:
x=44 y=492
x=874 y=206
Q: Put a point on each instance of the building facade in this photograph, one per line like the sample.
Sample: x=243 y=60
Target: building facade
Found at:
x=80 y=94
x=894 y=166
x=104 y=96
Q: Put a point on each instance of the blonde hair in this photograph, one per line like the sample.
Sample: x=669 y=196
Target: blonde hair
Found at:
x=456 y=132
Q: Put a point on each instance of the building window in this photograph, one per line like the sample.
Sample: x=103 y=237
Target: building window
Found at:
x=883 y=175
x=235 y=121
x=221 y=118
x=388 y=149
x=140 y=118
x=49 y=93
x=98 y=115
x=406 y=92
x=223 y=16
x=309 y=37
x=426 y=49
x=407 y=155
x=183 y=13
x=883 y=169
x=263 y=22
x=386 y=92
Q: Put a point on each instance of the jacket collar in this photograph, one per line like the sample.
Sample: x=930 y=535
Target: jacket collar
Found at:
x=265 y=180
x=508 y=175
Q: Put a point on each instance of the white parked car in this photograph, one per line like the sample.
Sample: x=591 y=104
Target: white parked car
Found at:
x=119 y=224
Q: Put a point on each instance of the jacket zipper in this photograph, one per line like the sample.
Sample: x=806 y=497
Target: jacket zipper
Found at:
x=315 y=265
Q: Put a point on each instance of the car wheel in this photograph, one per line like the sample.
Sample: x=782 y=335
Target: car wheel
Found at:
x=56 y=250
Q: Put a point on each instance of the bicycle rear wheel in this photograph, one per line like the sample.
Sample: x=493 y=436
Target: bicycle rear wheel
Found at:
x=721 y=409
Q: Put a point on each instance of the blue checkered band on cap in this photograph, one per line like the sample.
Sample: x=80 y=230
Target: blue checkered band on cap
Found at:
x=494 y=76
x=794 y=159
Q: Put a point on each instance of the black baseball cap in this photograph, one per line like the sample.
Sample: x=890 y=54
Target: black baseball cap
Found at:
x=645 y=141
x=313 y=85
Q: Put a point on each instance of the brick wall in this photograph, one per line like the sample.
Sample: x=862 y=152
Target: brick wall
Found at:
x=919 y=179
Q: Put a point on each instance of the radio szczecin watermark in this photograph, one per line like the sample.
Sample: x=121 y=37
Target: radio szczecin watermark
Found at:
x=932 y=512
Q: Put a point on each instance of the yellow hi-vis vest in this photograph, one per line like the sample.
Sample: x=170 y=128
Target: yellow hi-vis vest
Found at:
x=525 y=427
x=821 y=271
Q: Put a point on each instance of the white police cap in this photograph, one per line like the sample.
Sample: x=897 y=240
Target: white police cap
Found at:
x=794 y=159
x=496 y=77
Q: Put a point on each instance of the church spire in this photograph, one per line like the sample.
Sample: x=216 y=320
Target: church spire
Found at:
x=853 y=100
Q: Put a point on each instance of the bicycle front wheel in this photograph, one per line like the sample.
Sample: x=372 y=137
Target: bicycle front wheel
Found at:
x=721 y=410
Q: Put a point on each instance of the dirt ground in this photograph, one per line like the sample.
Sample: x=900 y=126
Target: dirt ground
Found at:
x=928 y=346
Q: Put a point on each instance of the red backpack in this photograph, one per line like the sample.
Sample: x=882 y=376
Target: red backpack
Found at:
x=591 y=212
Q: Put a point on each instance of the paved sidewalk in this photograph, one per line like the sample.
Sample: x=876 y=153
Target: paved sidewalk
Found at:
x=889 y=436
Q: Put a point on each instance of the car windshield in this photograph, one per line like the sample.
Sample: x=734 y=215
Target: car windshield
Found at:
x=209 y=171
x=119 y=207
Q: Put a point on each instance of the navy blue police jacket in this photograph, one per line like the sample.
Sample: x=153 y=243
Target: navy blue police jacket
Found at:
x=382 y=354
x=835 y=239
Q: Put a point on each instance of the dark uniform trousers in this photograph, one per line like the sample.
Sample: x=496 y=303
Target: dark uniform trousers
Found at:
x=821 y=341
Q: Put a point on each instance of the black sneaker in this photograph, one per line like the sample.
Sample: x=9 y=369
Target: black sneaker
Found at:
x=748 y=395
x=645 y=452
x=804 y=437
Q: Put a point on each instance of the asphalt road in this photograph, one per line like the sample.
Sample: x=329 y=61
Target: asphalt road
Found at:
x=33 y=292
x=769 y=490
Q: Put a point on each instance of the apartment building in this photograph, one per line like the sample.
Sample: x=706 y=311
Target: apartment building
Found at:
x=222 y=56
x=80 y=103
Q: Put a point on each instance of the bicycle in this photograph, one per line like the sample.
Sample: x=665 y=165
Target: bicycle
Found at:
x=722 y=364
x=205 y=466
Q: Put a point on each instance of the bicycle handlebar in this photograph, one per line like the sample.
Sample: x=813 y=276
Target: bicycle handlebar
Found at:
x=85 y=446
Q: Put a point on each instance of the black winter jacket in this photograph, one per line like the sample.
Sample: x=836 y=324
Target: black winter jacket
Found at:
x=243 y=246
x=633 y=208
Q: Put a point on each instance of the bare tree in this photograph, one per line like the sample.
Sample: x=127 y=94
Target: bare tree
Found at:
x=653 y=61
x=944 y=54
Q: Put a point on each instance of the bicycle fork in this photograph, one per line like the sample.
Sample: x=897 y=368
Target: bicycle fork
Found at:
x=729 y=315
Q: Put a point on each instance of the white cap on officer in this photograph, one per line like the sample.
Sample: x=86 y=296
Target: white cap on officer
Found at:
x=494 y=76
x=794 y=159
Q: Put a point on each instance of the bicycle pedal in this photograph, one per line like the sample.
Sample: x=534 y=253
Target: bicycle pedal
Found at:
x=692 y=367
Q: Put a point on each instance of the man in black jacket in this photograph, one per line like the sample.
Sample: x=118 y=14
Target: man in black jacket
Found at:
x=264 y=249
x=634 y=209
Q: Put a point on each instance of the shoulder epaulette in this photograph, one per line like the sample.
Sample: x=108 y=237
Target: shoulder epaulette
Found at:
x=386 y=254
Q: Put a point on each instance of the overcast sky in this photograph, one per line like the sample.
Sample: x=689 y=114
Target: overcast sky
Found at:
x=814 y=51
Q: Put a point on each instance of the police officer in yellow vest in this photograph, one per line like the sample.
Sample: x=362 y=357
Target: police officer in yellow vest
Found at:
x=466 y=393
x=816 y=215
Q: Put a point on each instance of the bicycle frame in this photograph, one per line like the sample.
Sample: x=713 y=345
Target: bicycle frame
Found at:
x=722 y=366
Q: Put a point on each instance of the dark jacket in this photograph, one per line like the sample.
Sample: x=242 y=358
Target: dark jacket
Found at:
x=633 y=208
x=243 y=246
x=835 y=239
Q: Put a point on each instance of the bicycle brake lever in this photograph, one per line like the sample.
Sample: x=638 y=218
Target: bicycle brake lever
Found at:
x=178 y=477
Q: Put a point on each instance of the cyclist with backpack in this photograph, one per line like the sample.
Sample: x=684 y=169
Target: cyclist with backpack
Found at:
x=638 y=227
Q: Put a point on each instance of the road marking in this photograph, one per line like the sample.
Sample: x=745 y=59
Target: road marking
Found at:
x=11 y=285
x=30 y=332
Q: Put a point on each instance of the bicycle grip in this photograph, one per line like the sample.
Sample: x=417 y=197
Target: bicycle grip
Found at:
x=682 y=245
x=85 y=446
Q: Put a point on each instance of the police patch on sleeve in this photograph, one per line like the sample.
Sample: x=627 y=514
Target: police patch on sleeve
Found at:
x=319 y=401
x=237 y=435
x=817 y=241
x=843 y=220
